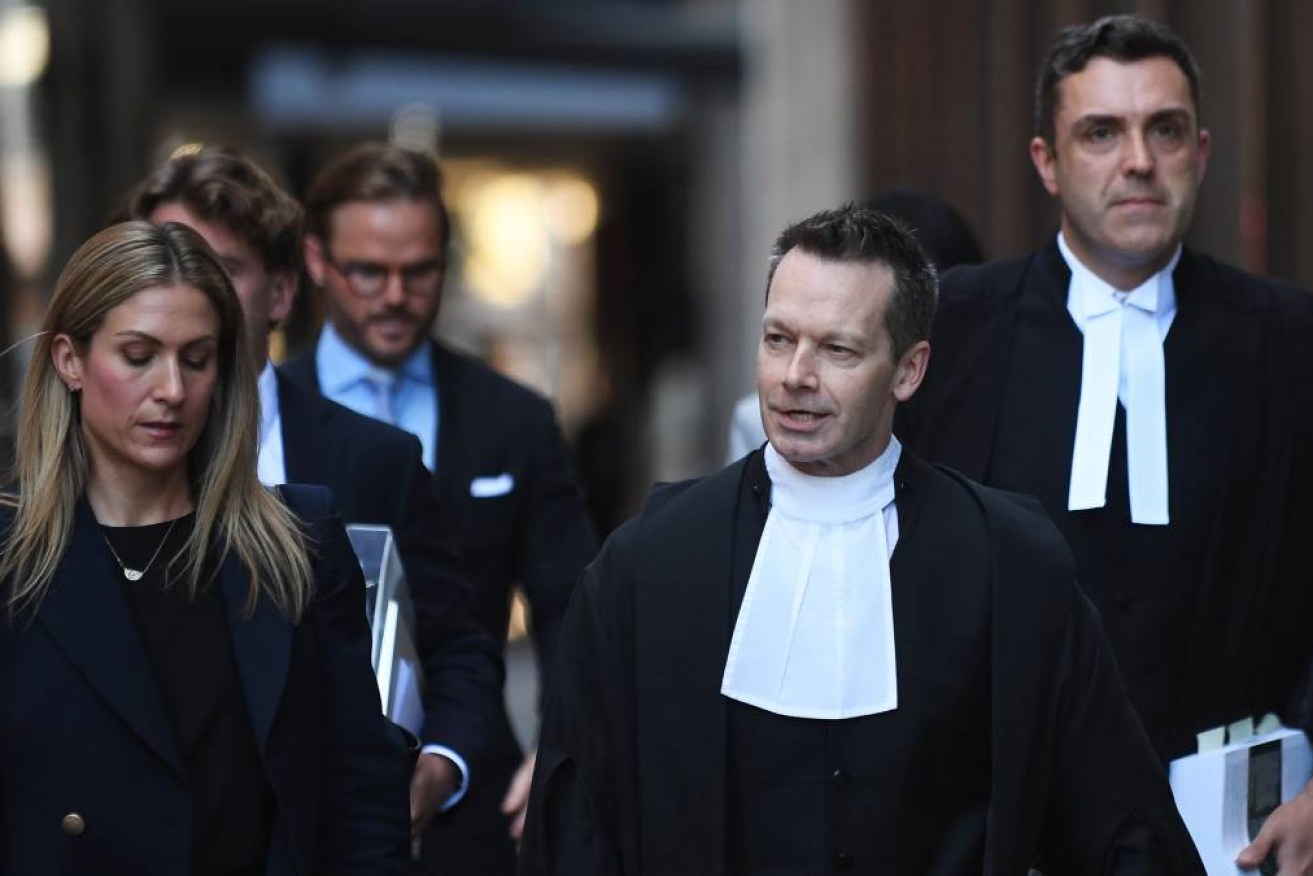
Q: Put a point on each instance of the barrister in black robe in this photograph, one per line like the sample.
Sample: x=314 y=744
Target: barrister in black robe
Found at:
x=1155 y=400
x=1012 y=737
x=1008 y=741
x=1208 y=616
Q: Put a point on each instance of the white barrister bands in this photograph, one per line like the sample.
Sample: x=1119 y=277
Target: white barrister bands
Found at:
x=1122 y=359
x=815 y=634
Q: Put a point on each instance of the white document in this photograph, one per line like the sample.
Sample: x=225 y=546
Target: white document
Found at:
x=407 y=706
x=1224 y=794
x=391 y=616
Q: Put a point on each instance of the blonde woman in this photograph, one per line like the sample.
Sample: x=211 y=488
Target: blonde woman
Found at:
x=184 y=673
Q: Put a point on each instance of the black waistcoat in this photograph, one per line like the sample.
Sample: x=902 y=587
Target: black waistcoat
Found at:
x=905 y=791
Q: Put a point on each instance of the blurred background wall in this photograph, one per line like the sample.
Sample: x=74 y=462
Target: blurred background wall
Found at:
x=617 y=170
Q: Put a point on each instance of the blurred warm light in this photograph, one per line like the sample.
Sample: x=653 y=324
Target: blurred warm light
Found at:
x=415 y=126
x=185 y=150
x=508 y=245
x=25 y=213
x=24 y=46
x=571 y=209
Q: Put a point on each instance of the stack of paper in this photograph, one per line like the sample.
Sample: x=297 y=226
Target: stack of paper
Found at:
x=1224 y=795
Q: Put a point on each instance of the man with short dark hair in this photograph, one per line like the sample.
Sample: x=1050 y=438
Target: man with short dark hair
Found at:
x=374 y=470
x=832 y=656
x=376 y=244
x=1152 y=398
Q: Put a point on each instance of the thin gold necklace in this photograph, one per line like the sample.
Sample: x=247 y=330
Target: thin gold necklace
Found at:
x=138 y=574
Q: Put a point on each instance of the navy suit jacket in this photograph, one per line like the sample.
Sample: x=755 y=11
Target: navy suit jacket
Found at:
x=532 y=527
x=83 y=727
x=376 y=475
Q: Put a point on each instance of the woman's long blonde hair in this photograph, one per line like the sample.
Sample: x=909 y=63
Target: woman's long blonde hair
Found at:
x=234 y=512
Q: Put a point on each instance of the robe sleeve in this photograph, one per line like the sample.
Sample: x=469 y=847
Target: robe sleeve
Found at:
x=582 y=812
x=1110 y=805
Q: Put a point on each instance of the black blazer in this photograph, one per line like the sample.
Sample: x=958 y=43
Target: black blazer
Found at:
x=376 y=475
x=507 y=492
x=83 y=729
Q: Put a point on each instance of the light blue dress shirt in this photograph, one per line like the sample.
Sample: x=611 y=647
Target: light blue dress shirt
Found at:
x=348 y=378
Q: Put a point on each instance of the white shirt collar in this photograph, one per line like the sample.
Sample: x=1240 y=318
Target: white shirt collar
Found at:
x=271 y=465
x=268 y=386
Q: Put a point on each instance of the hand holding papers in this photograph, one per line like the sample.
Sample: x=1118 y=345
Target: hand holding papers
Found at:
x=1225 y=794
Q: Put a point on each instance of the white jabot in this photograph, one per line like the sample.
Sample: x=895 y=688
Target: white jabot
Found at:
x=271 y=467
x=815 y=634
x=1122 y=359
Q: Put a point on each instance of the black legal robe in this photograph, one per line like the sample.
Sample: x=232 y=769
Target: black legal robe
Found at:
x=1208 y=616
x=634 y=774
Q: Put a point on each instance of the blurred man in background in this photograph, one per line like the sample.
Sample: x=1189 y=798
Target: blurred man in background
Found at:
x=376 y=243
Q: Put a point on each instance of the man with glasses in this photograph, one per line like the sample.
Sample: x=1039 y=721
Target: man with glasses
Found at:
x=376 y=242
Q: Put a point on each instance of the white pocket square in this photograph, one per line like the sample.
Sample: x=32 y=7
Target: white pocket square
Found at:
x=488 y=487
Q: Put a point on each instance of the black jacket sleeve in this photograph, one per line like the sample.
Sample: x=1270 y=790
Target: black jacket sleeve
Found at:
x=463 y=669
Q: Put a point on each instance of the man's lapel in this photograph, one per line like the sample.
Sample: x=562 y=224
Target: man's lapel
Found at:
x=457 y=457
x=306 y=450
x=87 y=614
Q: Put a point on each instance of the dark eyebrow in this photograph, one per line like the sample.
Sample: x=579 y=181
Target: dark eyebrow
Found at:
x=1174 y=114
x=1093 y=119
x=845 y=339
x=421 y=264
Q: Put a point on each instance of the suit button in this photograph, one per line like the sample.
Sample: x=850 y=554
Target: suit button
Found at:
x=73 y=824
x=1121 y=600
x=843 y=860
x=842 y=779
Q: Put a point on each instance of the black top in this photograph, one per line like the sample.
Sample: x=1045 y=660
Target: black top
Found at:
x=191 y=656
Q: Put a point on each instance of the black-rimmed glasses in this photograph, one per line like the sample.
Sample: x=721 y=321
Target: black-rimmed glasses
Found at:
x=369 y=279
